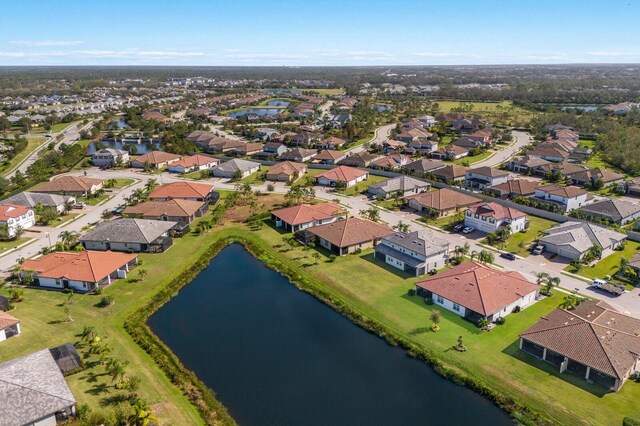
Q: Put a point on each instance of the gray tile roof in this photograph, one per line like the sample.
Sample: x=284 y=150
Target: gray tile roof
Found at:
x=237 y=164
x=31 y=199
x=616 y=210
x=581 y=236
x=31 y=388
x=128 y=230
x=400 y=183
x=423 y=242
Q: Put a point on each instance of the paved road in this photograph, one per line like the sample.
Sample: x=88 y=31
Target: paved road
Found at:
x=381 y=134
x=325 y=108
x=522 y=139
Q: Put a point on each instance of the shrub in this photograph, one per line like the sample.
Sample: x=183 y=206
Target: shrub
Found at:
x=332 y=257
x=500 y=321
x=435 y=328
x=516 y=309
x=411 y=292
x=428 y=300
x=98 y=290
x=628 y=421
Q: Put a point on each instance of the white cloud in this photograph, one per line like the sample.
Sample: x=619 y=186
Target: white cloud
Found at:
x=615 y=54
x=264 y=56
x=49 y=43
x=439 y=54
x=12 y=54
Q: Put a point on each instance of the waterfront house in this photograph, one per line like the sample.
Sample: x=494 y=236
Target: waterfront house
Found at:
x=109 y=157
x=303 y=216
x=183 y=212
x=416 y=253
x=349 y=235
x=492 y=217
x=34 y=391
x=155 y=160
x=593 y=341
x=81 y=271
x=474 y=291
x=193 y=163
x=78 y=186
x=130 y=235
x=348 y=176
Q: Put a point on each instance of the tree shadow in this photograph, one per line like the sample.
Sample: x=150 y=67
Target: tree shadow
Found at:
x=419 y=330
x=114 y=399
x=99 y=389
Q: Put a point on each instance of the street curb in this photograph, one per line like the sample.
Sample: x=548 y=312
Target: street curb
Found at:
x=11 y=250
x=577 y=277
x=73 y=219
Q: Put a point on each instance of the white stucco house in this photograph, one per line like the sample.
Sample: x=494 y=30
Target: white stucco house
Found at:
x=491 y=217
x=16 y=217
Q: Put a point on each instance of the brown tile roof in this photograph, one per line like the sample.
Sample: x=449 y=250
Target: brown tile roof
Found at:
x=496 y=211
x=89 y=266
x=593 y=334
x=247 y=148
x=9 y=211
x=305 y=213
x=182 y=190
x=562 y=191
x=172 y=208
x=7 y=320
x=329 y=154
x=342 y=174
x=444 y=199
x=351 y=231
x=157 y=157
x=286 y=167
x=69 y=184
x=333 y=141
x=604 y=175
x=451 y=171
x=518 y=186
x=155 y=116
x=195 y=160
x=488 y=171
x=478 y=287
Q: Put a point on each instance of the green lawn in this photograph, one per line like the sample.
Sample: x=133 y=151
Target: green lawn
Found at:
x=257 y=177
x=65 y=218
x=32 y=145
x=380 y=292
x=6 y=245
x=122 y=182
x=520 y=241
x=443 y=222
x=93 y=201
x=504 y=110
x=362 y=186
x=473 y=159
x=57 y=128
x=328 y=92
x=596 y=161
x=196 y=175
x=608 y=265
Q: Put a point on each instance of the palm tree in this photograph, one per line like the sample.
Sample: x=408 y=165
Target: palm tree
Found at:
x=473 y=255
x=69 y=239
x=551 y=282
x=542 y=278
x=142 y=415
x=142 y=273
x=401 y=227
x=150 y=185
x=486 y=257
x=88 y=333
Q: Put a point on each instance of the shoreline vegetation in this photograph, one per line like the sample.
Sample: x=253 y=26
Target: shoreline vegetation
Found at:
x=203 y=398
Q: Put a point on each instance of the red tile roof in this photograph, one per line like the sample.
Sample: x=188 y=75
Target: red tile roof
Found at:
x=69 y=184
x=478 y=287
x=305 y=213
x=342 y=174
x=182 y=190
x=7 y=320
x=157 y=157
x=88 y=266
x=11 y=211
x=195 y=160
x=351 y=231
x=496 y=211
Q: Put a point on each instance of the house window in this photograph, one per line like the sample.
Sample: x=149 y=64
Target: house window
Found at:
x=439 y=299
x=456 y=307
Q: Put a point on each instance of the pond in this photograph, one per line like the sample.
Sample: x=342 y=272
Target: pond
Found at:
x=278 y=103
x=382 y=108
x=259 y=111
x=131 y=145
x=275 y=355
x=586 y=108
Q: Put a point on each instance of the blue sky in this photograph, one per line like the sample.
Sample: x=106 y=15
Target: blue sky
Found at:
x=327 y=32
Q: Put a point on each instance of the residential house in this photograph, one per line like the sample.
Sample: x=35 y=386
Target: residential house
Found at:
x=341 y=175
x=109 y=157
x=390 y=162
x=272 y=150
x=445 y=201
x=359 y=159
x=526 y=164
x=615 y=211
x=236 y=168
x=130 y=235
x=475 y=291
x=591 y=176
x=185 y=190
x=574 y=240
x=593 y=341
x=330 y=143
x=400 y=185
x=81 y=271
x=9 y=326
x=155 y=160
x=416 y=253
x=16 y=217
x=303 y=138
x=193 y=163
x=564 y=169
x=421 y=147
x=155 y=116
x=349 y=235
x=451 y=152
x=285 y=171
x=392 y=145
x=469 y=144
x=34 y=391
x=566 y=198
x=299 y=154
x=246 y=149
x=33 y=199
x=328 y=156
x=450 y=173
x=632 y=187
x=303 y=216
x=265 y=133
x=71 y=185
x=424 y=166
x=514 y=188
x=183 y=212
x=485 y=177
x=492 y=217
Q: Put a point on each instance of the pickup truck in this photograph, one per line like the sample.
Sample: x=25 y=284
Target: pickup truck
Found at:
x=603 y=285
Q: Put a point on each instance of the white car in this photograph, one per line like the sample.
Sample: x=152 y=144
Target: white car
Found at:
x=467 y=230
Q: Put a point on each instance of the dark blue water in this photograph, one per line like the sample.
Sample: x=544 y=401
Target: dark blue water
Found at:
x=141 y=148
x=278 y=102
x=259 y=111
x=276 y=356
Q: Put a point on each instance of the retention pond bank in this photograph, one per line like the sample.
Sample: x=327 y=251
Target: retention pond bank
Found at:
x=275 y=355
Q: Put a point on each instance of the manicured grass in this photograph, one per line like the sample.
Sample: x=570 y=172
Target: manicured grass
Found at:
x=362 y=186
x=596 y=161
x=586 y=143
x=608 y=265
x=379 y=292
x=328 y=92
x=505 y=110
x=389 y=204
x=196 y=175
x=92 y=201
x=43 y=326
x=122 y=182
x=63 y=219
x=57 y=128
x=444 y=222
x=473 y=159
x=32 y=145
x=6 y=245
x=258 y=177
x=520 y=241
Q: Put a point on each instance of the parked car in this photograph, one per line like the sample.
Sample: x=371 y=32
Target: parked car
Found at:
x=79 y=205
x=467 y=230
x=508 y=256
x=537 y=249
x=459 y=227
x=603 y=285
